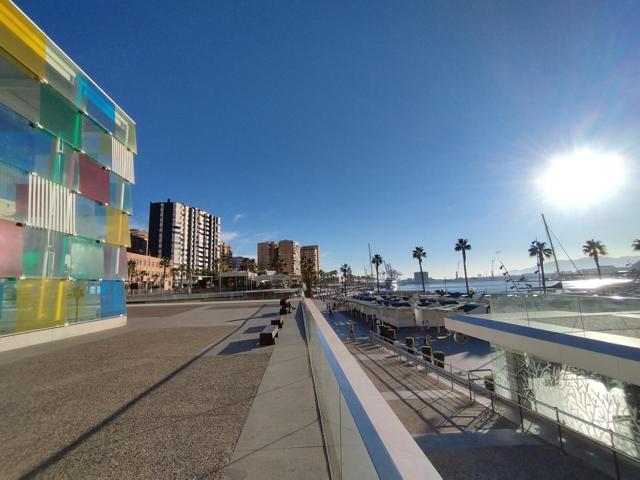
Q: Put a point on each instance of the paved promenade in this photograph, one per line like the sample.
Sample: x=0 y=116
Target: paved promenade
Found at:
x=282 y=438
x=166 y=396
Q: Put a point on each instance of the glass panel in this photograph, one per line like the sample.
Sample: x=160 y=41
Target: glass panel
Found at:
x=87 y=259
x=83 y=301
x=112 y=301
x=120 y=193
x=94 y=180
x=20 y=91
x=90 y=218
x=40 y=303
x=22 y=38
x=115 y=263
x=7 y=306
x=118 y=228
x=11 y=244
x=60 y=117
x=23 y=146
x=14 y=193
x=96 y=142
x=98 y=106
x=46 y=253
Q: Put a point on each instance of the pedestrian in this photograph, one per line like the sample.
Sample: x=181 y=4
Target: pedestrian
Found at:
x=352 y=337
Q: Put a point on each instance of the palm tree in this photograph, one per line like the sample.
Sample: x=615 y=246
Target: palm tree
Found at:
x=540 y=251
x=419 y=254
x=77 y=293
x=346 y=271
x=248 y=265
x=462 y=246
x=131 y=270
x=280 y=265
x=164 y=263
x=636 y=244
x=377 y=261
x=308 y=269
x=594 y=248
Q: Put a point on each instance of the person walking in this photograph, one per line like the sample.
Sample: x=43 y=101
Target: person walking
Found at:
x=352 y=337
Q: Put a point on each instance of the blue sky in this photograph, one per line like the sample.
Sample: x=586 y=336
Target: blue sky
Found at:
x=397 y=123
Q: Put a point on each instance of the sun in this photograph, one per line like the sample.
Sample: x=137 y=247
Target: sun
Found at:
x=582 y=178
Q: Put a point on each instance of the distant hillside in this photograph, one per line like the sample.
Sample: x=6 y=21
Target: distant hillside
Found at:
x=582 y=263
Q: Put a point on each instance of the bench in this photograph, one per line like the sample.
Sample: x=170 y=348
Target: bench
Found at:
x=268 y=335
x=278 y=321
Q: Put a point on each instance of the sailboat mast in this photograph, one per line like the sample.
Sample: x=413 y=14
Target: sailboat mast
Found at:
x=370 y=264
x=555 y=259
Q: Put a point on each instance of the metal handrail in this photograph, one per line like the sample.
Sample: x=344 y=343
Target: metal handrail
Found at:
x=383 y=341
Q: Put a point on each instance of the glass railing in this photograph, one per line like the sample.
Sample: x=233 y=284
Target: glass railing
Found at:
x=570 y=313
x=363 y=437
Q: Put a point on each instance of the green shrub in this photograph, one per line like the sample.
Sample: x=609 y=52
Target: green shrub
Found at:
x=426 y=353
x=438 y=358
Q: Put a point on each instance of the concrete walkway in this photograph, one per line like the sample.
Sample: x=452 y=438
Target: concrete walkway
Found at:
x=282 y=437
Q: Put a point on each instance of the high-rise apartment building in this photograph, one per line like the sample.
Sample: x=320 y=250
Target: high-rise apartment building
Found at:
x=313 y=253
x=289 y=251
x=66 y=170
x=186 y=235
x=267 y=254
x=226 y=252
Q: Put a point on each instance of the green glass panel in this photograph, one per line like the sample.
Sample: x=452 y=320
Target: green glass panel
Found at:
x=90 y=218
x=7 y=306
x=87 y=259
x=60 y=117
x=14 y=193
x=83 y=301
x=46 y=254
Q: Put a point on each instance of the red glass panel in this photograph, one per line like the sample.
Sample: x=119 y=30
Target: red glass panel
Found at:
x=94 y=180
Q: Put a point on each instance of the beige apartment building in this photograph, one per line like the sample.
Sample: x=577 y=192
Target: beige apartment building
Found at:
x=267 y=254
x=152 y=270
x=312 y=252
x=289 y=251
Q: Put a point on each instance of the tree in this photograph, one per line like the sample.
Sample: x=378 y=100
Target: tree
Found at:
x=280 y=265
x=77 y=293
x=377 y=261
x=308 y=271
x=419 y=254
x=636 y=244
x=174 y=272
x=540 y=251
x=248 y=265
x=346 y=271
x=462 y=246
x=595 y=248
x=131 y=270
x=164 y=263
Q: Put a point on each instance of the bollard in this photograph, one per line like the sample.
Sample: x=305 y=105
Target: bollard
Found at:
x=615 y=455
x=559 y=429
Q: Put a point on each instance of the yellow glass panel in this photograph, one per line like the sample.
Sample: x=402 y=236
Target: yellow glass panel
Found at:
x=117 y=228
x=22 y=39
x=40 y=303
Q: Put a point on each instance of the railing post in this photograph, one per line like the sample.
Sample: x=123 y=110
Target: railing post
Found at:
x=521 y=417
x=469 y=383
x=492 y=406
x=559 y=429
x=451 y=373
x=615 y=455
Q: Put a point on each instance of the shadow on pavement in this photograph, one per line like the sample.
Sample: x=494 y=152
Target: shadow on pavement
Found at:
x=240 y=346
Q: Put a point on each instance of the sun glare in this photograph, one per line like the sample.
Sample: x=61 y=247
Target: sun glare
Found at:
x=582 y=178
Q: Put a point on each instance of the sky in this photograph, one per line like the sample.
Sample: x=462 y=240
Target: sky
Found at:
x=397 y=123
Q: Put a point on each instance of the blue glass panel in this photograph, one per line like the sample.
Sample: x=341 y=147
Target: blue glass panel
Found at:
x=97 y=105
x=90 y=218
x=21 y=144
x=46 y=254
x=7 y=306
x=87 y=259
x=120 y=193
x=96 y=143
x=112 y=301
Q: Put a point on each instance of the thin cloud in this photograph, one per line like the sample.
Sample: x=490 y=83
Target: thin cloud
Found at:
x=228 y=236
x=238 y=216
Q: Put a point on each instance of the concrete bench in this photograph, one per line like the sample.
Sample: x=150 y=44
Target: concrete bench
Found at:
x=278 y=321
x=268 y=335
